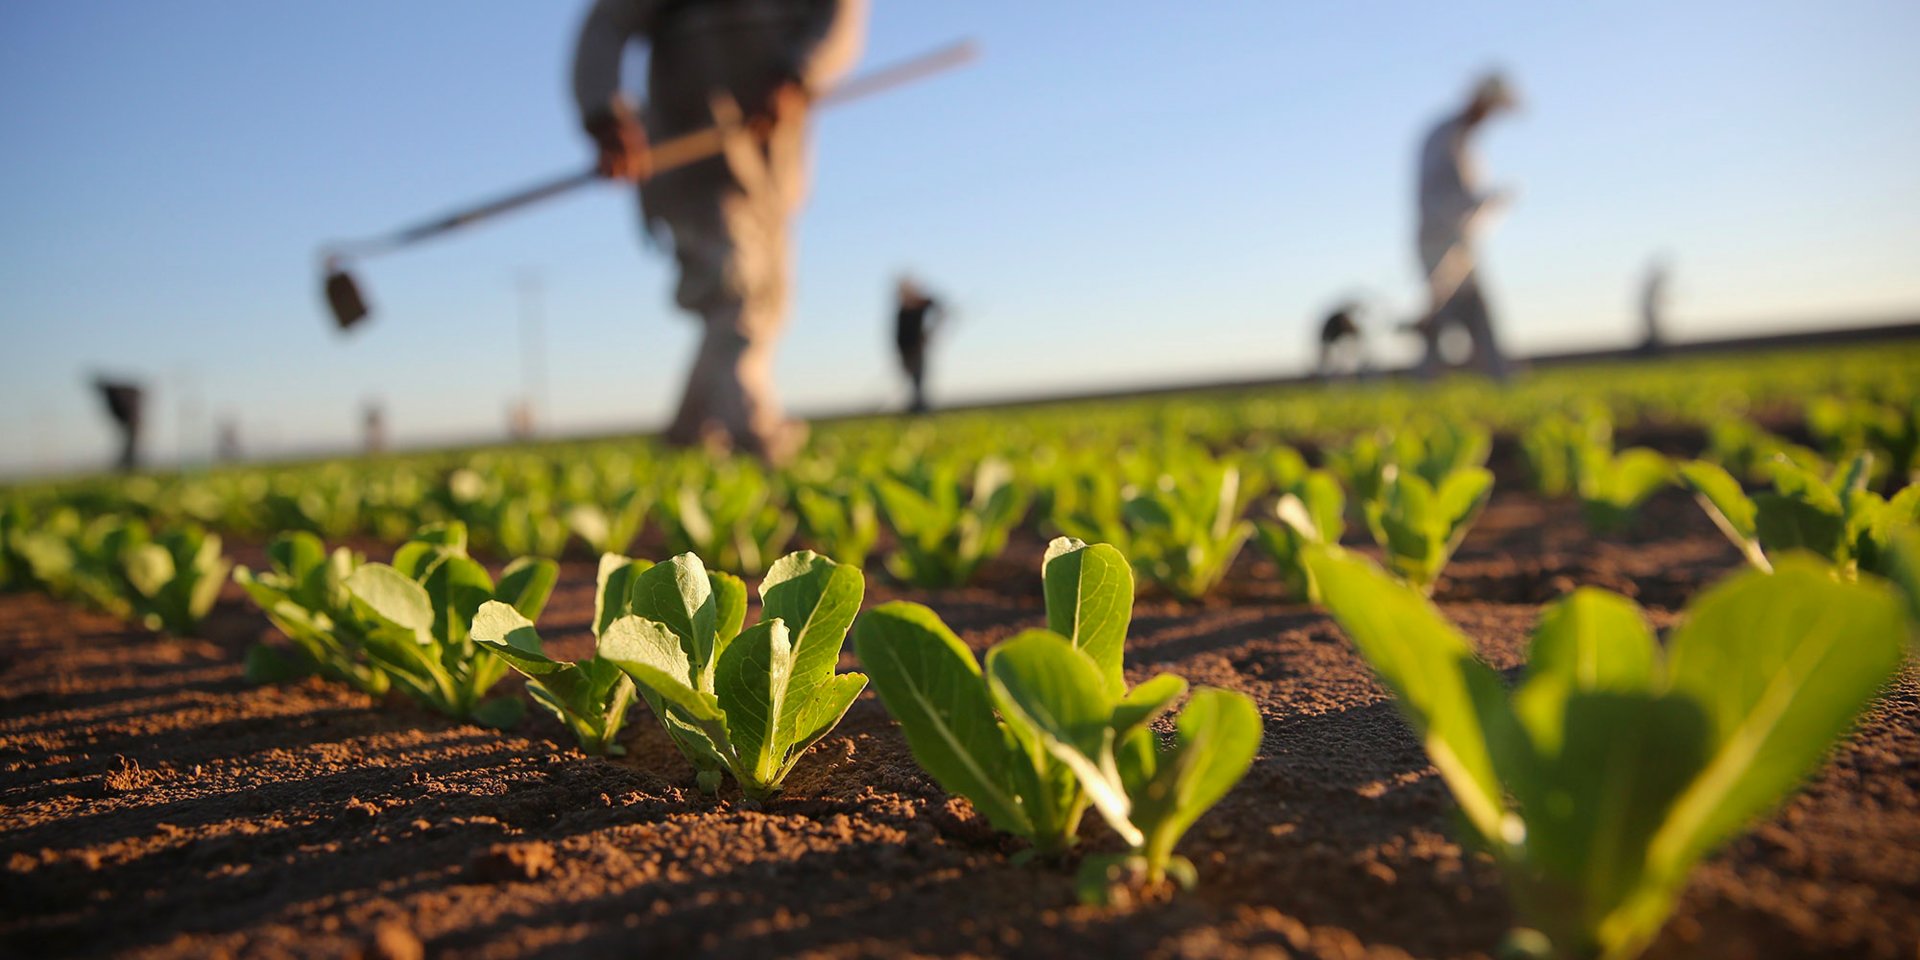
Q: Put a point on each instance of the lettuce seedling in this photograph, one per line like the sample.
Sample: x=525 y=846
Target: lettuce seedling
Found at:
x=1050 y=725
x=590 y=697
x=731 y=517
x=749 y=702
x=176 y=577
x=933 y=685
x=942 y=533
x=1418 y=526
x=1053 y=699
x=611 y=529
x=1612 y=486
x=305 y=595
x=1310 y=511
x=1614 y=767
x=1183 y=534
x=422 y=607
x=840 y=521
x=1836 y=518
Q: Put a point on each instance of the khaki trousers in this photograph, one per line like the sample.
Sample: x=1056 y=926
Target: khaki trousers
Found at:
x=729 y=219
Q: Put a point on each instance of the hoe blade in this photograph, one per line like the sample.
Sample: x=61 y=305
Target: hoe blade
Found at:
x=343 y=298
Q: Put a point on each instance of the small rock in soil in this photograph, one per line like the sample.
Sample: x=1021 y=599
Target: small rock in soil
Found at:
x=392 y=940
x=505 y=862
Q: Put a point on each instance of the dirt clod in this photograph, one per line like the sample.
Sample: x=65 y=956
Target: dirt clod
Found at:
x=504 y=862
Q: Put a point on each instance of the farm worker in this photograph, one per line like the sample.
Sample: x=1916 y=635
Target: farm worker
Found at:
x=727 y=217
x=1452 y=210
x=915 y=321
x=1342 y=351
x=124 y=401
x=1653 y=306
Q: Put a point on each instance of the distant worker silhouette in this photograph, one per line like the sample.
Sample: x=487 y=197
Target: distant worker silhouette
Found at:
x=1453 y=210
x=728 y=217
x=1653 y=306
x=124 y=401
x=1343 y=351
x=918 y=316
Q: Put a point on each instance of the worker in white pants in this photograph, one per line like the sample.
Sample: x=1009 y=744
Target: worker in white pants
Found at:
x=750 y=66
x=1453 y=208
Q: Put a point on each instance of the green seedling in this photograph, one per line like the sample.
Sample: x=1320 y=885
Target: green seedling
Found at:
x=1050 y=726
x=1183 y=534
x=305 y=595
x=731 y=517
x=748 y=702
x=942 y=533
x=1612 y=486
x=1419 y=527
x=1310 y=511
x=176 y=577
x=1615 y=767
x=1836 y=517
x=589 y=697
x=422 y=607
x=610 y=529
x=840 y=521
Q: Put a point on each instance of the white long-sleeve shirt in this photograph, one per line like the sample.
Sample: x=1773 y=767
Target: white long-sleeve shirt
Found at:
x=1450 y=192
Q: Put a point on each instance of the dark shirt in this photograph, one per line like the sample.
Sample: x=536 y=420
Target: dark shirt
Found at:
x=910 y=324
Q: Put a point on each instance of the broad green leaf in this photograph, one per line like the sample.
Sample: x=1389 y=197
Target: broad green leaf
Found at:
x=457 y=586
x=1637 y=473
x=729 y=606
x=526 y=584
x=830 y=703
x=1215 y=741
x=650 y=653
x=1089 y=592
x=1718 y=491
x=1052 y=694
x=398 y=600
x=1146 y=702
x=612 y=584
x=1789 y=523
x=679 y=595
x=1460 y=499
x=751 y=683
x=931 y=683
x=1425 y=662
x=1596 y=800
x=817 y=599
x=149 y=567
x=1728 y=506
x=1782 y=664
x=1595 y=641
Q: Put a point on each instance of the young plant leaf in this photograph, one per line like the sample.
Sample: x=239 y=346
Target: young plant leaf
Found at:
x=1089 y=592
x=931 y=683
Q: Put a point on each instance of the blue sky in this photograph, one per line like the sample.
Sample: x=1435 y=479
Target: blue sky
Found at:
x=1118 y=192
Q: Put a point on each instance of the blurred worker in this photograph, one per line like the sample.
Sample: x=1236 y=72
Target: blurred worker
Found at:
x=1653 y=306
x=1453 y=209
x=916 y=320
x=728 y=217
x=1342 y=350
x=373 y=427
x=226 y=445
x=124 y=401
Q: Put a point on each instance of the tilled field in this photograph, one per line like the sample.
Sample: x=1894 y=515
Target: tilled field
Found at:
x=152 y=803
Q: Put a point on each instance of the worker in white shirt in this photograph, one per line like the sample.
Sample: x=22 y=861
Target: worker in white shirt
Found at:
x=1453 y=210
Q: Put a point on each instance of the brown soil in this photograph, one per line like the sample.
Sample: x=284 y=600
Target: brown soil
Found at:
x=153 y=804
